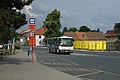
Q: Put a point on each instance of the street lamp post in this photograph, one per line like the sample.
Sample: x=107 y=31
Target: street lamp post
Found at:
x=32 y=26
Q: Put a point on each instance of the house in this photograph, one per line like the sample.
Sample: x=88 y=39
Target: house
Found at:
x=24 y=37
x=39 y=36
x=113 y=43
x=112 y=36
x=88 y=40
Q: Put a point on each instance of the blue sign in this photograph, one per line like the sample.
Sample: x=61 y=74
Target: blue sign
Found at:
x=31 y=20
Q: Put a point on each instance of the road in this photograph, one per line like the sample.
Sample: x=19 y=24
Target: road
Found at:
x=94 y=65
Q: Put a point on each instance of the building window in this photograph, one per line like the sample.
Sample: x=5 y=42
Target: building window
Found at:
x=83 y=35
x=40 y=36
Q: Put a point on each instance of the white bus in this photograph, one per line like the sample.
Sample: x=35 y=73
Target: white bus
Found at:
x=63 y=44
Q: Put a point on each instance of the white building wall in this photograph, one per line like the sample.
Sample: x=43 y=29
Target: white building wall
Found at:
x=112 y=39
x=39 y=39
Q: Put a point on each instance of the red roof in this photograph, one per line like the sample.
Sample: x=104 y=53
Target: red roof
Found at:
x=40 y=31
x=111 y=33
x=86 y=35
x=71 y=34
x=95 y=36
x=26 y=33
x=81 y=35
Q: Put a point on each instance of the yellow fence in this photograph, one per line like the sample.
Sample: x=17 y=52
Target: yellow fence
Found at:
x=90 y=45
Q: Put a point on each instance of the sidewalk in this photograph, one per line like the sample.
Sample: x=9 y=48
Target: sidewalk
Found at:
x=19 y=67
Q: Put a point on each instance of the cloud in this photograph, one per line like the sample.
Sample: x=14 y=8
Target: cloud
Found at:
x=65 y=13
x=92 y=13
x=89 y=22
x=100 y=24
x=42 y=6
x=28 y=9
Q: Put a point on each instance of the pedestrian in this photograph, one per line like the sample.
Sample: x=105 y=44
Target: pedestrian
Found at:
x=29 y=51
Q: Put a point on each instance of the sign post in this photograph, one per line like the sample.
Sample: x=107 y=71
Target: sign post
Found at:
x=32 y=26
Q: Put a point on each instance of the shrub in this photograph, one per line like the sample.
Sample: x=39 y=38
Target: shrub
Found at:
x=17 y=47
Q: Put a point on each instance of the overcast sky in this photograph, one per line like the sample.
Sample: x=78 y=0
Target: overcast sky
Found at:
x=75 y=13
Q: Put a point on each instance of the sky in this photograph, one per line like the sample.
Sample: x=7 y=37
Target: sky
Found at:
x=102 y=14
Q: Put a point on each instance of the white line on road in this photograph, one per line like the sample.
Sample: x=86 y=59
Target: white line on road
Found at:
x=73 y=69
x=78 y=54
x=57 y=63
x=114 y=74
x=88 y=74
x=93 y=55
x=99 y=71
x=68 y=61
x=107 y=72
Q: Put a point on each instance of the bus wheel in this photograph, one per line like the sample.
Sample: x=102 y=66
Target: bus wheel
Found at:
x=49 y=50
x=68 y=53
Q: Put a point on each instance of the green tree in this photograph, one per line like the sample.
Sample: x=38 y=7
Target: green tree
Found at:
x=52 y=23
x=84 y=29
x=73 y=29
x=98 y=30
x=117 y=29
x=65 y=29
x=10 y=18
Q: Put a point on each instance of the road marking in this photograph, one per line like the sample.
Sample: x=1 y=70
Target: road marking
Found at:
x=44 y=56
x=107 y=72
x=72 y=69
x=85 y=69
x=112 y=73
x=78 y=54
x=88 y=74
x=68 y=61
x=94 y=55
x=47 y=63
x=66 y=64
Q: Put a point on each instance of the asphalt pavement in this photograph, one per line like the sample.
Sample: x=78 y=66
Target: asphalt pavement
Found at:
x=94 y=65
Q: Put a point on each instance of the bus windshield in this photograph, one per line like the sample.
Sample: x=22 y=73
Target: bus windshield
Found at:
x=66 y=41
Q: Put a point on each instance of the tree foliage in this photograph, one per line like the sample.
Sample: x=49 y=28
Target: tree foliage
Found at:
x=65 y=29
x=10 y=18
x=84 y=29
x=73 y=29
x=98 y=30
x=117 y=29
x=52 y=23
